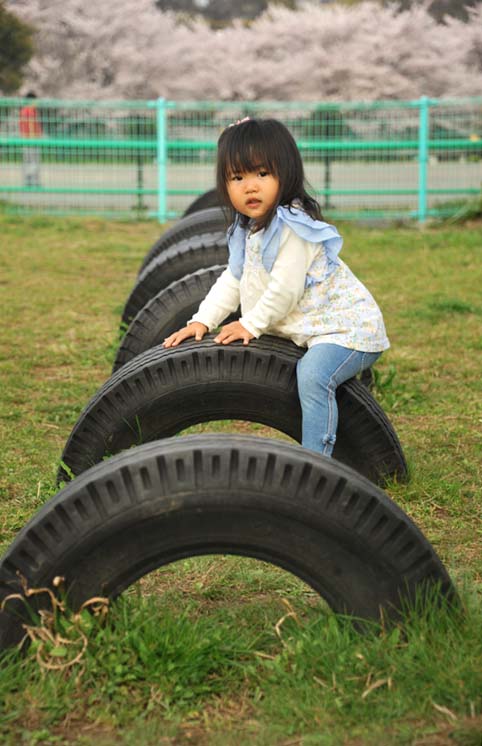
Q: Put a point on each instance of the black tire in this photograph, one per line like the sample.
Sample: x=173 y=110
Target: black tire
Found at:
x=225 y=494
x=212 y=220
x=367 y=378
x=171 y=309
x=168 y=311
x=163 y=391
x=208 y=199
x=178 y=260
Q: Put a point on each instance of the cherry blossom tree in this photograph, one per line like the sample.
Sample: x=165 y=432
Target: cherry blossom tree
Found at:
x=327 y=52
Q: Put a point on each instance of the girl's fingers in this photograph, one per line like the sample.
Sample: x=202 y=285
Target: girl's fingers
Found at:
x=169 y=342
x=174 y=339
x=228 y=338
x=188 y=331
x=231 y=332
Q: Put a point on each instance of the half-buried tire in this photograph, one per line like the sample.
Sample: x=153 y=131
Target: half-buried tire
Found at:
x=228 y=494
x=165 y=313
x=212 y=220
x=170 y=310
x=178 y=260
x=208 y=199
x=163 y=391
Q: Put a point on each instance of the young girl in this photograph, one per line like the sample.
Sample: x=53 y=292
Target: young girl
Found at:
x=285 y=271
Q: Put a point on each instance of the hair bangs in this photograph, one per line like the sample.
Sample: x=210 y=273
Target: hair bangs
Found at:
x=247 y=150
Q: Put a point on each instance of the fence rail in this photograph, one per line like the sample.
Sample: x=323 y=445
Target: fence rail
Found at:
x=152 y=158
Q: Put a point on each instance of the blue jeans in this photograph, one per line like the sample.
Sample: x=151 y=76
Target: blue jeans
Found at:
x=321 y=369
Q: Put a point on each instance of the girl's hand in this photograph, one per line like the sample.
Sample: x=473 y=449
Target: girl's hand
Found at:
x=196 y=330
x=233 y=331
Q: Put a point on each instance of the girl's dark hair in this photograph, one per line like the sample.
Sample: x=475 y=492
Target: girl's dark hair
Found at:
x=246 y=145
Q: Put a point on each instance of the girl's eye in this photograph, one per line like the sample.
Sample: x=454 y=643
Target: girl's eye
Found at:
x=263 y=172
x=236 y=177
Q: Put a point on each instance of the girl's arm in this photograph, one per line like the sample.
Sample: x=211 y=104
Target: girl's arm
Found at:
x=222 y=299
x=286 y=285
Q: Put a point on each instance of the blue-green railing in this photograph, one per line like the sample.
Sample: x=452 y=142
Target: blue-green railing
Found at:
x=384 y=159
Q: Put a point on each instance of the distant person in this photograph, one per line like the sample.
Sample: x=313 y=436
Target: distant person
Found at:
x=30 y=127
x=284 y=269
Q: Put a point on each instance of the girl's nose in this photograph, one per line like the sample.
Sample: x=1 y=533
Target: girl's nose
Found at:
x=251 y=185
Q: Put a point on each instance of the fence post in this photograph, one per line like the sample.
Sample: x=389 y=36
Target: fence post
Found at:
x=161 y=160
x=423 y=135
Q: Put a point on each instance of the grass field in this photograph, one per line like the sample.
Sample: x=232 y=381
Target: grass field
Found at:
x=228 y=650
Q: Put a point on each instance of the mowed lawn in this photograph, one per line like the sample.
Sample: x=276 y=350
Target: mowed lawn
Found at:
x=228 y=650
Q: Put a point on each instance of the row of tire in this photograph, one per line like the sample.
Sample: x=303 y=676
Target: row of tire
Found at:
x=325 y=520
x=200 y=380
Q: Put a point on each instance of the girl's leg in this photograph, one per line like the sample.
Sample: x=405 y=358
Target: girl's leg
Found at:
x=321 y=369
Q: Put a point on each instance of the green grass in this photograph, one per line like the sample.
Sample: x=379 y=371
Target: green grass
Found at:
x=228 y=650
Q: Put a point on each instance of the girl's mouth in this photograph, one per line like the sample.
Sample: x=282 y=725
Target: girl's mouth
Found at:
x=253 y=203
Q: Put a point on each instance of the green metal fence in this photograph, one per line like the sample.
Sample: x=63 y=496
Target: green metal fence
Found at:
x=153 y=158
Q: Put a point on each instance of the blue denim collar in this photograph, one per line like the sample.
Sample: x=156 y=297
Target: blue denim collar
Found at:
x=315 y=231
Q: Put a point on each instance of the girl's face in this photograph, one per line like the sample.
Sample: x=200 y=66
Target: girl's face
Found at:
x=253 y=193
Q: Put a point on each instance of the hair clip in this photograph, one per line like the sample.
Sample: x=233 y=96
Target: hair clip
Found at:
x=239 y=121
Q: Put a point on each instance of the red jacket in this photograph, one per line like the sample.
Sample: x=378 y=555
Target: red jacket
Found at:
x=29 y=123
